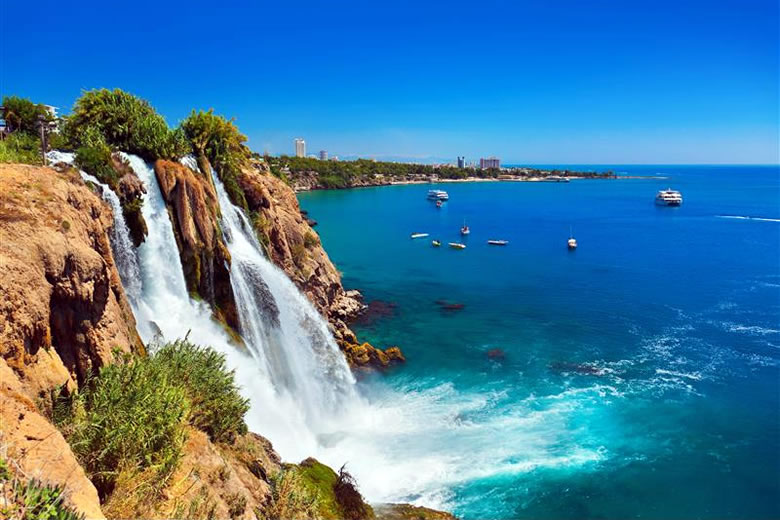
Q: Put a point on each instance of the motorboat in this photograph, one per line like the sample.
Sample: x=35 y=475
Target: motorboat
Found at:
x=436 y=243
x=668 y=197
x=457 y=245
x=498 y=242
x=439 y=203
x=465 y=229
x=419 y=235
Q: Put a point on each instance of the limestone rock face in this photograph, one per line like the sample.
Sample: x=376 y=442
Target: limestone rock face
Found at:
x=63 y=314
x=35 y=448
x=211 y=481
x=295 y=247
x=194 y=207
x=63 y=310
x=131 y=190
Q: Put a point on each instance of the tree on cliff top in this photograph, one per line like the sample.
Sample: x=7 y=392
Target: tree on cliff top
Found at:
x=21 y=114
x=126 y=123
x=219 y=140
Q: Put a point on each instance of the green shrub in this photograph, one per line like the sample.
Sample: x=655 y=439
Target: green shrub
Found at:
x=349 y=499
x=217 y=408
x=262 y=228
x=126 y=123
x=310 y=240
x=21 y=114
x=131 y=417
x=20 y=148
x=219 y=139
x=291 y=498
x=298 y=252
x=31 y=499
x=95 y=159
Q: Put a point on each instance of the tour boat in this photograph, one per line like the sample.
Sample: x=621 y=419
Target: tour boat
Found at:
x=419 y=235
x=498 y=242
x=435 y=243
x=668 y=197
x=438 y=195
x=465 y=229
x=457 y=245
x=555 y=178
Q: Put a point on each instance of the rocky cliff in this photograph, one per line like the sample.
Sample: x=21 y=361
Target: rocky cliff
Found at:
x=205 y=259
x=293 y=245
x=63 y=314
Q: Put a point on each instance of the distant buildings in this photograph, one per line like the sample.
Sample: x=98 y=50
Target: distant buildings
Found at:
x=323 y=155
x=461 y=162
x=490 y=162
x=300 y=147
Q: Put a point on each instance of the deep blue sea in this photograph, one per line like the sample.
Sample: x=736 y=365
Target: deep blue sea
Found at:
x=636 y=377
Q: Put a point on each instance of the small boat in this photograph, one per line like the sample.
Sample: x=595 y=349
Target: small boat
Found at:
x=465 y=229
x=571 y=243
x=438 y=203
x=498 y=242
x=438 y=195
x=419 y=235
x=457 y=245
x=668 y=197
x=436 y=243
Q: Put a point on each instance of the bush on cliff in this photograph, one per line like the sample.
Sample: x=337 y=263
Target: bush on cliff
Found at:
x=217 y=408
x=96 y=160
x=131 y=417
x=30 y=499
x=20 y=148
x=126 y=123
x=219 y=139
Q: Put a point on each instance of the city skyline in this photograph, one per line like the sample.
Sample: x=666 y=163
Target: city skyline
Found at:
x=666 y=82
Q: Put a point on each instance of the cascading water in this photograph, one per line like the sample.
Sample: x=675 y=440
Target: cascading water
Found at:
x=286 y=335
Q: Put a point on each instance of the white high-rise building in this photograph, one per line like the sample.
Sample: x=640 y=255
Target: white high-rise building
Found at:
x=300 y=147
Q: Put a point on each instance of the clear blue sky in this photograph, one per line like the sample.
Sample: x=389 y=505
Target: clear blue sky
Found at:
x=626 y=81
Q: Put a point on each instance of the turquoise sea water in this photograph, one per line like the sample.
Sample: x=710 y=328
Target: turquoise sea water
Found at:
x=637 y=376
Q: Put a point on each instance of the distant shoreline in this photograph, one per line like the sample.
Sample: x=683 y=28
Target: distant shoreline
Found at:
x=304 y=189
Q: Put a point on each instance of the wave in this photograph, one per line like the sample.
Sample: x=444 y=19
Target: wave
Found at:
x=752 y=330
x=747 y=217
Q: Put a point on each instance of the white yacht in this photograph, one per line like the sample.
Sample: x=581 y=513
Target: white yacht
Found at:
x=438 y=195
x=668 y=197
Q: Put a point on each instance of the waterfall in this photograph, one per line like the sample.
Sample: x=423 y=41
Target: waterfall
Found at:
x=125 y=255
x=291 y=370
x=288 y=338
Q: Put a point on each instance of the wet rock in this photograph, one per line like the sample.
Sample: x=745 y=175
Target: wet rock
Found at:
x=365 y=355
x=375 y=311
x=444 y=305
x=496 y=354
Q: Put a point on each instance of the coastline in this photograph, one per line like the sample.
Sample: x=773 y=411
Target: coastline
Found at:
x=301 y=188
